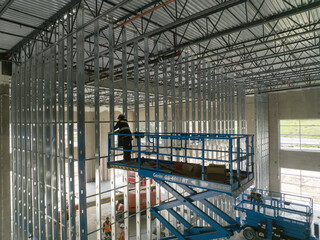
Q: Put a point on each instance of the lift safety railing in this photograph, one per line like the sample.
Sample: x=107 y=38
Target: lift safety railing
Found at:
x=202 y=165
x=275 y=204
x=162 y=152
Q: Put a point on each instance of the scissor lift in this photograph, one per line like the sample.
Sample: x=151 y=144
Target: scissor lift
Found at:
x=272 y=215
x=159 y=156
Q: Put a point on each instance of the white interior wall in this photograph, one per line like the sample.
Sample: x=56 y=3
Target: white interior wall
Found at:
x=298 y=104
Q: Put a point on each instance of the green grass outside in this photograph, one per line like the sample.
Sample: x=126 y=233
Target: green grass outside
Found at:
x=309 y=128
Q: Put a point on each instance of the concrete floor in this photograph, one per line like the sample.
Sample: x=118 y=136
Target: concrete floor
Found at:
x=106 y=211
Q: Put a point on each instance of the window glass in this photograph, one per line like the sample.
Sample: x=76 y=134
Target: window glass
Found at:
x=302 y=183
x=301 y=135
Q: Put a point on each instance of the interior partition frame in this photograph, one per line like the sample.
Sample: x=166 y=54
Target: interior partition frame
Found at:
x=50 y=60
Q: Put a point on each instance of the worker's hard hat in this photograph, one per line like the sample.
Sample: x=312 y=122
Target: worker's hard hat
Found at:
x=107 y=218
x=121 y=225
x=121 y=116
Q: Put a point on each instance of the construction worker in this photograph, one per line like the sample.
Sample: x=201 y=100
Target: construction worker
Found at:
x=121 y=232
x=256 y=198
x=107 y=228
x=124 y=141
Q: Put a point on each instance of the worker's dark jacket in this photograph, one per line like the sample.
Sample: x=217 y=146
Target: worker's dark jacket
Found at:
x=123 y=127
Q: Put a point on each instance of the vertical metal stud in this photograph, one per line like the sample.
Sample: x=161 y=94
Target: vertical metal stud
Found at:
x=165 y=97
x=193 y=87
x=34 y=156
x=214 y=102
x=147 y=124
x=48 y=189
x=81 y=126
x=40 y=143
x=222 y=96
x=165 y=121
x=187 y=87
x=199 y=83
x=23 y=147
x=63 y=212
x=173 y=96
x=97 y=127
x=28 y=148
x=71 y=195
x=54 y=160
x=180 y=126
x=19 y=152
x=14 y=80
x=233 y=106
x=204 y=96
x=111 y=114
x=173 y=113
x=156 y=97
x=125 y=109
x=156 y=117
x=136 y=121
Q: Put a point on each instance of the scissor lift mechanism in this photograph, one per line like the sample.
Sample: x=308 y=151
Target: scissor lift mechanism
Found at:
x=234 y=151
x=151 y=152
x=290 y=213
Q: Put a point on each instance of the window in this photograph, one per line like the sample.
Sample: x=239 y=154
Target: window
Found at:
x=302 y=135
x=301 y=182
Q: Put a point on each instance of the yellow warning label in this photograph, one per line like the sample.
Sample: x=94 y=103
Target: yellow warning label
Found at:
x=124 y=168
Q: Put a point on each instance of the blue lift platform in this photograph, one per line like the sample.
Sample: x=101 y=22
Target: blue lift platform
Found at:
x=202 y=165
x=272 y=215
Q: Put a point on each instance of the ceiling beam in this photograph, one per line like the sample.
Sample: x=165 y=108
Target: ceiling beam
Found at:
x=182 y=21
x=245 y=26
x=46 y=24
x=5 y=6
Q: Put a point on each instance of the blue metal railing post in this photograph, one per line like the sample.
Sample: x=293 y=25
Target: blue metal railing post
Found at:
x=202 y=175
x=252 y=153
x=171 y=149
x=139 y=152
x=157 y=153
x=247 y=157
x=185 y=150
x=109 y=148
x=230 y=162
x=238 y=162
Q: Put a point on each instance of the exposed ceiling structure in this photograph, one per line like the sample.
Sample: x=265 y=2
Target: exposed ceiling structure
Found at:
x=273 y=45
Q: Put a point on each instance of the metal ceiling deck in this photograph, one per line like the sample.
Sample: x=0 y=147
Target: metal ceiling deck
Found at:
x=225 y=37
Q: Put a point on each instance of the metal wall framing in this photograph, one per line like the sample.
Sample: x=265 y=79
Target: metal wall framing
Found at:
x=262 y=140
x=56 y=86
